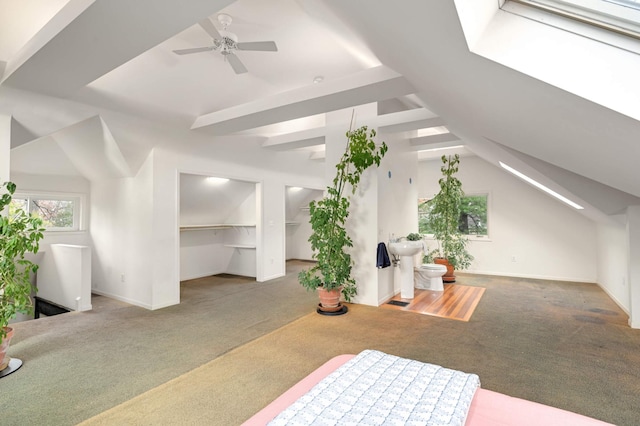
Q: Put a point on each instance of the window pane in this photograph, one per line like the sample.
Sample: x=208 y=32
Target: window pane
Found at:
x=424 y=210
x=473 y=217
x=16 y=205
x=54 y=213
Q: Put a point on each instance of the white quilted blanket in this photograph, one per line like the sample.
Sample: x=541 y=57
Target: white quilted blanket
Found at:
x=375 y=388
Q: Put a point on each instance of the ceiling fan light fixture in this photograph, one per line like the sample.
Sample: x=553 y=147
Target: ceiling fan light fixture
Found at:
x=224 y=19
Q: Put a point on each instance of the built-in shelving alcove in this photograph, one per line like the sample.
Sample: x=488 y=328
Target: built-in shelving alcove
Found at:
x=298 y=228
x=218 y=219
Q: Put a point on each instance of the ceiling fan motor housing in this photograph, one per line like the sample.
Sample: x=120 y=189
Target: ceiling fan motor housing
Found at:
x=227 y=43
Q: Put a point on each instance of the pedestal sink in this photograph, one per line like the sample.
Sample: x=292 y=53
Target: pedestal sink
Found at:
x=406 y=250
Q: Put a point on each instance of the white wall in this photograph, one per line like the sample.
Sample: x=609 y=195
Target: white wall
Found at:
x=64 y=276
x=121 y=228
x=202 y=253
x=397 y=206
x=5 y=147
x=633 y=268
x=612 y=261
x=548 y=239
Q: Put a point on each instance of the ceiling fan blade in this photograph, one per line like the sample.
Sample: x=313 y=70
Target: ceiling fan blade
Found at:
x=236 y=64
x=265 y=46
x=193 y=50
x=208 y=26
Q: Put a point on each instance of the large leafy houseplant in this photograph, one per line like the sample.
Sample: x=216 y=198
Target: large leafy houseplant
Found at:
x=329 y=239
x=444 y=217
x=19 y=234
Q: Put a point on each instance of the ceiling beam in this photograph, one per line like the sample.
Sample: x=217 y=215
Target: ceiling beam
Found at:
x=404 y=121
x=301 y=139
x=396 y=122
x=443 y=140
x=371 y=85
x=431 y=139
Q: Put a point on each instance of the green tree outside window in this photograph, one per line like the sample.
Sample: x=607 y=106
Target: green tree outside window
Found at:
x=473 y=217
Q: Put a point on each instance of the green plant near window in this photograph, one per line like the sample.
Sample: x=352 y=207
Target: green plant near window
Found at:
x=19 y=234
x=445 y=215
x=329 y=239
x=414 y=236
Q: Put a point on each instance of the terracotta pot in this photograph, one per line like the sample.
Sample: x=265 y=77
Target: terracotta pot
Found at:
x=329 y=300
x=449 y=276
x=4 y=345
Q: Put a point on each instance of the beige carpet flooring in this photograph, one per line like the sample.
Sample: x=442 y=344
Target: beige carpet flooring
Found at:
x=234 y=345
x=80 y=364
x=561 y=344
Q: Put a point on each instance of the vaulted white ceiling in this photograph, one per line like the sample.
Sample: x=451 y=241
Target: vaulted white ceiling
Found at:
x=410 y=55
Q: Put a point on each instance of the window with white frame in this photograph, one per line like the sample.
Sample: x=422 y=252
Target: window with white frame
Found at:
x=59 y=212
x=473 y=216
x=618 y=16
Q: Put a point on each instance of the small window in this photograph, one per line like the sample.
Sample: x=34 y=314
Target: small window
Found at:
x=58 y=212
x=473 y=215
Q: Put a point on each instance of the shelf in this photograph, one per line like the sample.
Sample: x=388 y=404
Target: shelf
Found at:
x=241 y=246
x=215 y=226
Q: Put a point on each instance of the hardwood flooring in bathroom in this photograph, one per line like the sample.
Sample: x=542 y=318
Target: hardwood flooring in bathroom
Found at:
x=456 y=302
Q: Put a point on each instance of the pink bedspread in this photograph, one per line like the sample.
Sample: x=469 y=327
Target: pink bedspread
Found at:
x=488 y=408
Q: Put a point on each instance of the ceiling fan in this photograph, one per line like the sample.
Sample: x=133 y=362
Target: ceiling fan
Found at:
x=226 y=43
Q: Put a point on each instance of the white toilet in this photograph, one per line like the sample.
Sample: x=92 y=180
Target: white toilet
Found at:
x=428 y=276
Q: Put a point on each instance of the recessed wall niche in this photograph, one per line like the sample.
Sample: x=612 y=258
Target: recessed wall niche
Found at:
x=298 y=228
x=217 y=226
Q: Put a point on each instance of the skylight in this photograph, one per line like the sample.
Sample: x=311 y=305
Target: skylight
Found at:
x=619 y=16
x=540 y=186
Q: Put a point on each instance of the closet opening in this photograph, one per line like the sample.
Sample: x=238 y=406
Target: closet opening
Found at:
x=218 y=219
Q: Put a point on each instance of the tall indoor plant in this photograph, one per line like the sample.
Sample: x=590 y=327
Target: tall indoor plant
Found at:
x=329 y=239
x=444 y=220
x=19 y=234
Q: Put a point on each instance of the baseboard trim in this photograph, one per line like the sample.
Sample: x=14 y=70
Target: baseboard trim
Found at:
x=615 y=300
x=528 y=276
x=201 y=275
x=122 y=299
x=272 y=277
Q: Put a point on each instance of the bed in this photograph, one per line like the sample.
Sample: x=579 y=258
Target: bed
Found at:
x=470 y=405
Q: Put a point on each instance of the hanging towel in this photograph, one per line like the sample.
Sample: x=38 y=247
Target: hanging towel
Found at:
x=383 y=257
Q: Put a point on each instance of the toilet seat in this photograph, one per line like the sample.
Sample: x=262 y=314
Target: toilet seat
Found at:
x=433 y=267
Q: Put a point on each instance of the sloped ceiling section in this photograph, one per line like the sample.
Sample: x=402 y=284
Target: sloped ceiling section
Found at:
x=86 y=148
x=203 y=201
x=605 y=198
x=480 y=99
x=77 y=46
x=42 y=156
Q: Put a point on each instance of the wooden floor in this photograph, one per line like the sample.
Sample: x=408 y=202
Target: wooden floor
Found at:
x=456 y=302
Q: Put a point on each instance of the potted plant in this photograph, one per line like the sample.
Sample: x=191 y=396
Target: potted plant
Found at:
x=329 y=239
x=19 y=234
x=444 y=217
x=414 y=236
